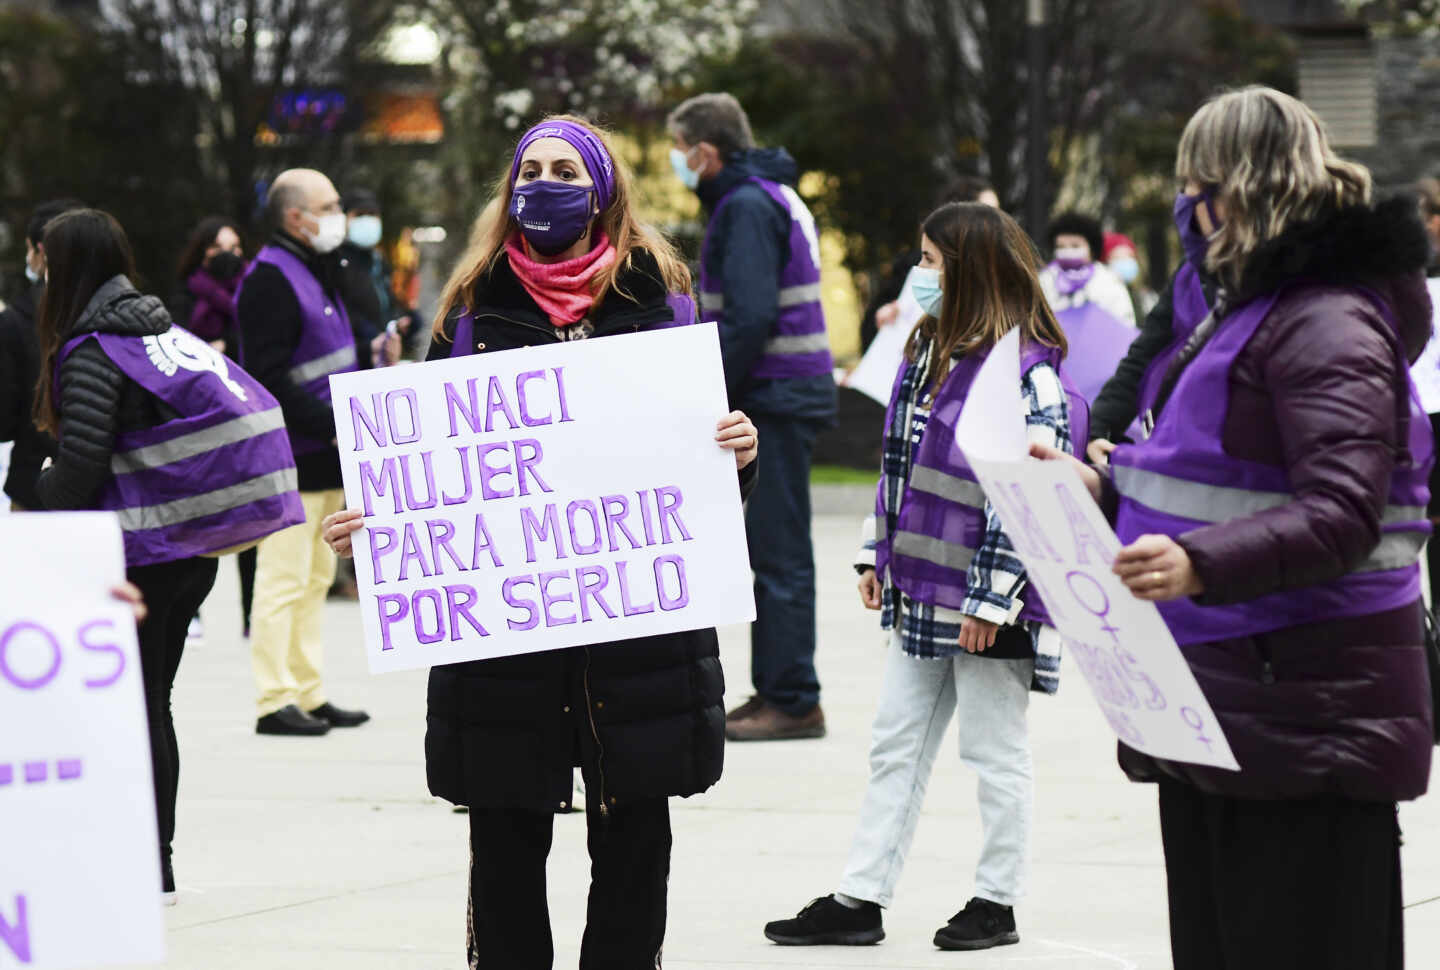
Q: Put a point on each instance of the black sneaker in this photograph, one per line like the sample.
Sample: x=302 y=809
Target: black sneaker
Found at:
x=827 y=921
x=290 y=720
x=979 y=926
x=338 y=717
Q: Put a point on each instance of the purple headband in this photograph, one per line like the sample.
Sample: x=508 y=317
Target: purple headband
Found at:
x=592 y=152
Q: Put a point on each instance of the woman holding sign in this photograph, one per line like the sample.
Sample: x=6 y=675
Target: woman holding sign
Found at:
x=964 y=629
x=1277 y=514
x=643 y=718
x=160 y=428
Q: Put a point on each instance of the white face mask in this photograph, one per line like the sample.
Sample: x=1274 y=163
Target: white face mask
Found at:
x=365 y=231
x=32 y=274
x=330 y=234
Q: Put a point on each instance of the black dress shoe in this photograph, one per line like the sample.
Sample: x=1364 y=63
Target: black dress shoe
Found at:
x=337 y=717
x=292 y=721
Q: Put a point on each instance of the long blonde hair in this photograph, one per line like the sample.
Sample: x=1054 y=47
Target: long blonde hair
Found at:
x=990 y=286
x=619 y=222
x=1270 y=160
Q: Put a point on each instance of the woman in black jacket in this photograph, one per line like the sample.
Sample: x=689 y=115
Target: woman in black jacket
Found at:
x=88 y=271
x=643 y=718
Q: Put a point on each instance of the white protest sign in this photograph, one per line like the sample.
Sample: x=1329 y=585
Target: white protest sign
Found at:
x=543 y=497
x=874 y=376
x=79 y=853
x=1426 y=370
x=1121 y=644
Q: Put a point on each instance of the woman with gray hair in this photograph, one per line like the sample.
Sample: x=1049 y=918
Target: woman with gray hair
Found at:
x=1276 y=513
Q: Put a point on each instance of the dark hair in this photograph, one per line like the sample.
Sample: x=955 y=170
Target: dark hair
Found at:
x=84 y=250
x=44 y=212
x=360 y=200
x=202 y=237
x=716 y=118
x=965 y=188
x=1077 y=224
x=990 y=286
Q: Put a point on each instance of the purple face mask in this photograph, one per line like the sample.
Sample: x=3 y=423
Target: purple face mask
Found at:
x=1192 y=240
x=553 y=215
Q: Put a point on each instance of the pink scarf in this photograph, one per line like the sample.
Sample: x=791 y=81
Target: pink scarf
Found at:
x=561 y=289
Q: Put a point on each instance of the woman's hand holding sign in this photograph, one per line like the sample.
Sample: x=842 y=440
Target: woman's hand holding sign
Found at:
x=1157 y=568
x=736 y=433
x=339 y=529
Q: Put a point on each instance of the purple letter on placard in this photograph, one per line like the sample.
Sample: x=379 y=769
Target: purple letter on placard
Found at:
x=68 y=769
x=84 y=637
x=401 y=609
x=370 y=422
x=36 y=772
x=7 y=774
x=16 y=936
x=40 y=680
x=1084 y=536
x=682 y=598
x=408 y=396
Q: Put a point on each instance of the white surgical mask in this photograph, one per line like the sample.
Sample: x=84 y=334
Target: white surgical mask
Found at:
x=365 y=231
x=330 y=234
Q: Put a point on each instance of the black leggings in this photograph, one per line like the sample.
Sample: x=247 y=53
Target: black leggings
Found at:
x=173 y=593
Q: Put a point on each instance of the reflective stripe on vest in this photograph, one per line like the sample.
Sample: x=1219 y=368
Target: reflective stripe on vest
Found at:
x=789 y=296
x=331 y=363
x=952 y=488
x=197 y=442
x=1209 y=504
x=951 y=555
x=137 y=518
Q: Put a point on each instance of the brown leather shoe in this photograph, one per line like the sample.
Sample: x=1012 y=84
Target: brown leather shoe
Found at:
x=769 y=723
x=745 y=710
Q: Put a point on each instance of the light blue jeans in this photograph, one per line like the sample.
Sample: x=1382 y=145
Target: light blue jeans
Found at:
x=917 y=699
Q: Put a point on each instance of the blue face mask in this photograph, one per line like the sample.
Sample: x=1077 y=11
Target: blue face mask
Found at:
x=680 y=162
x=1126 y=268
x=365 y=231
x=926 y=289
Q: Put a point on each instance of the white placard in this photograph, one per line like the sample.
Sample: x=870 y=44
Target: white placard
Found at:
x=1121 y=644
x=543 y=497
x=79 y=853
x=874 y=376
x=1426 y=370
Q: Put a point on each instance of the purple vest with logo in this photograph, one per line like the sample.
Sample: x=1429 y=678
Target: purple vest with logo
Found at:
x=1188 y=310
x=218 y=476
x=799 y=345
x=327 y=343
x=680 y=304
x=941 y=521
x=1181 y=478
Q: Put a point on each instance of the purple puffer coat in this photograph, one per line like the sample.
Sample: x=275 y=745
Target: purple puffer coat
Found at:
x=1340 y=708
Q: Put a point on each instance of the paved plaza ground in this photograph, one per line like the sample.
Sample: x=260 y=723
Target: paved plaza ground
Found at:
x=329 y=854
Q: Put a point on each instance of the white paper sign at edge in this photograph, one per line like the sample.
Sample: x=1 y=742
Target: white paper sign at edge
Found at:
x=643 y=409
x=1426 y=370
x=80 y=846
x=1125 y=651
x=874 y=376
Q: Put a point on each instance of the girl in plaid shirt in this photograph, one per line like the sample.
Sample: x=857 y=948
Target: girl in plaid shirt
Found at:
x=951 y=591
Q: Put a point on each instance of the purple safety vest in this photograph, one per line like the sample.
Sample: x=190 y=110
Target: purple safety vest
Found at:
x=941 y=521
x=681 y=305
x=1180 y=478
x=1189 y=309
x=327 y=343
x=799 y=345
x=1098 y=342
x=220 y=475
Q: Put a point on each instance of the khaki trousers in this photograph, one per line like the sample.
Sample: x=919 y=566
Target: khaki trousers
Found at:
x=293 y=572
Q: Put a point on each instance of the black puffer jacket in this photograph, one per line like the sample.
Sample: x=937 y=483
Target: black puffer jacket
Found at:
x=19 y=367
x=644 y=717
x=97 y=401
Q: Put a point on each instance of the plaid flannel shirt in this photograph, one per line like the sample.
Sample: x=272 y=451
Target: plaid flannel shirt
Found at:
x=996 y=575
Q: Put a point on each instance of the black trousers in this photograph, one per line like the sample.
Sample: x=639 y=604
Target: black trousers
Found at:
x=509 y=924
x=173 y=593
x=245 y=562
x=1307 y=884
